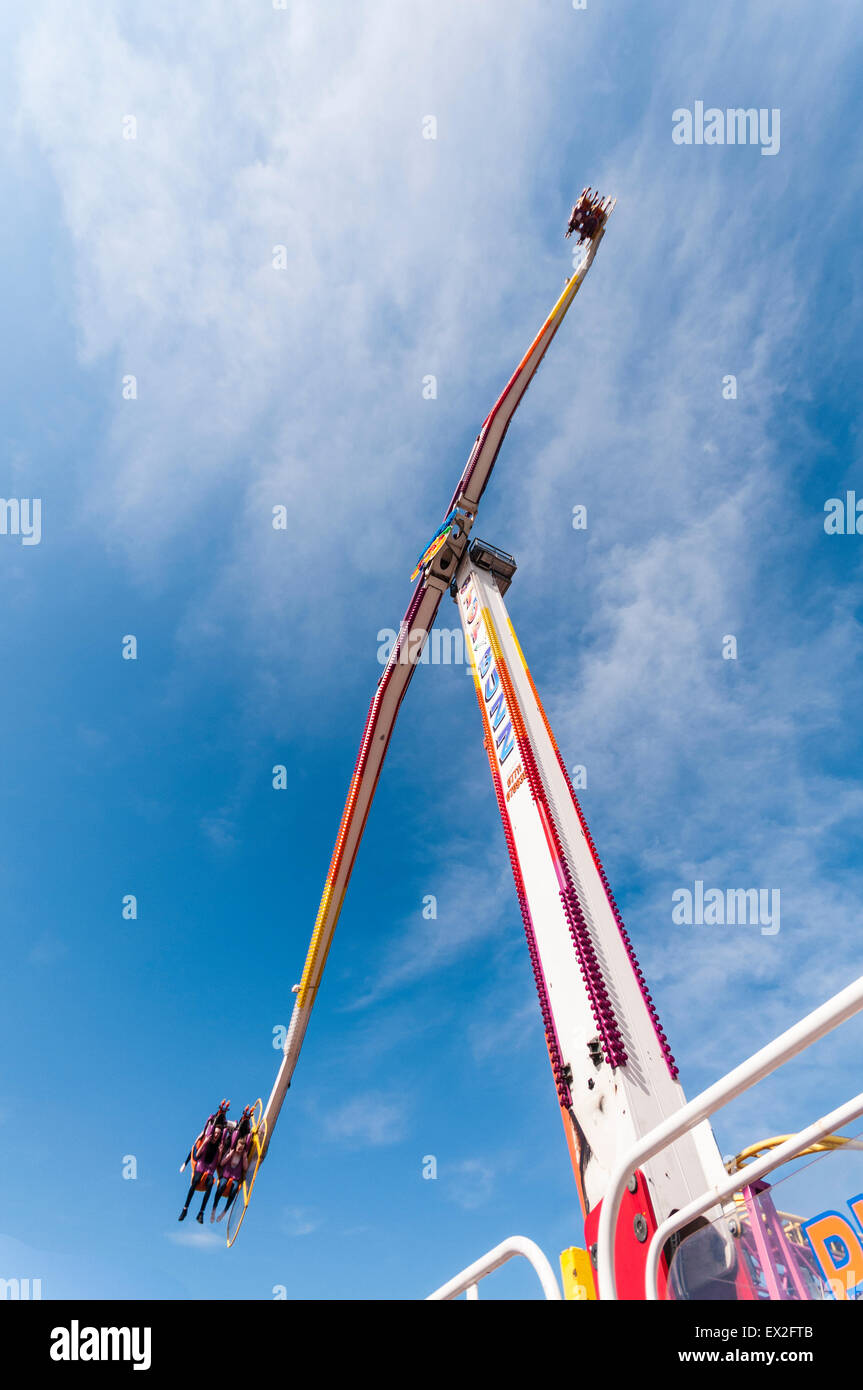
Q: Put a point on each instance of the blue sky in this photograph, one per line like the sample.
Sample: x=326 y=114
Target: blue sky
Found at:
x=256 y=387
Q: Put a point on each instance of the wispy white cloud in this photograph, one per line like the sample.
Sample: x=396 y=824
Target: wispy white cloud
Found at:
x=474 y=901
x=197 y=1238
x=368 y=1120
x=299 y=1221
x=48 y=949
x=220 y=830
x=258 y=386
x=469 y=1183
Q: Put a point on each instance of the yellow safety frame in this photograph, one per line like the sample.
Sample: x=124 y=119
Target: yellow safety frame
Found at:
x=259 y=1131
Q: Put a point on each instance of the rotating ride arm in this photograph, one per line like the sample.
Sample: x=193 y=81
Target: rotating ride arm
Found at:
x=483 y=455
x=436 y=567
x=376 y=736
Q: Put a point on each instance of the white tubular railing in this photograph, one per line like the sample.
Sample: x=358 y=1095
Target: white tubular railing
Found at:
x=823 y=1020
x=742 y=1178
x=467 y=1281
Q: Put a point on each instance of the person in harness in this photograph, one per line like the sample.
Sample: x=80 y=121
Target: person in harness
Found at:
x=241 y=1126
x=585 y=217
x=235 y=1161
x=232 y=1174
x=219 y=1116
x=205 y=1156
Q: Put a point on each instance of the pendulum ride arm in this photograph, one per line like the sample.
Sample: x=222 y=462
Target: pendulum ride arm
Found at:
x=436 y=574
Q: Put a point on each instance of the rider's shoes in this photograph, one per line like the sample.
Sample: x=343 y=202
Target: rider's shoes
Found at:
x=182 y=1215
x=200 y=1217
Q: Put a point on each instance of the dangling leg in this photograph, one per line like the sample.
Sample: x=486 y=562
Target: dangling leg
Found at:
x=220 y=1192
x=232 y=1197
x=207 y=1190
x=189 y=1196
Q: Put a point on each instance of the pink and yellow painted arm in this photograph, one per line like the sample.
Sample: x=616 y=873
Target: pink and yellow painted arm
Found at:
x=380 y=723
x=394 y=682
x=483 y=455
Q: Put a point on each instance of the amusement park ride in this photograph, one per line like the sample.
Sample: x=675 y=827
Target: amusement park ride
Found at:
x=663 y=1215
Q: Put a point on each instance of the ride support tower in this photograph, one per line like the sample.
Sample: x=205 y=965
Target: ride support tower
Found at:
x=613 y=1068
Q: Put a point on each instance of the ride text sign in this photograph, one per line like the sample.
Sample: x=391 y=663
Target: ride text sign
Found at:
x=837 y=1245
x=487 y=675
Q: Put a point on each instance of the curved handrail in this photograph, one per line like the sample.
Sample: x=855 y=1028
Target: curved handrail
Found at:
x=824 y=1019
x=793 y=1147
x=493 y=1259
